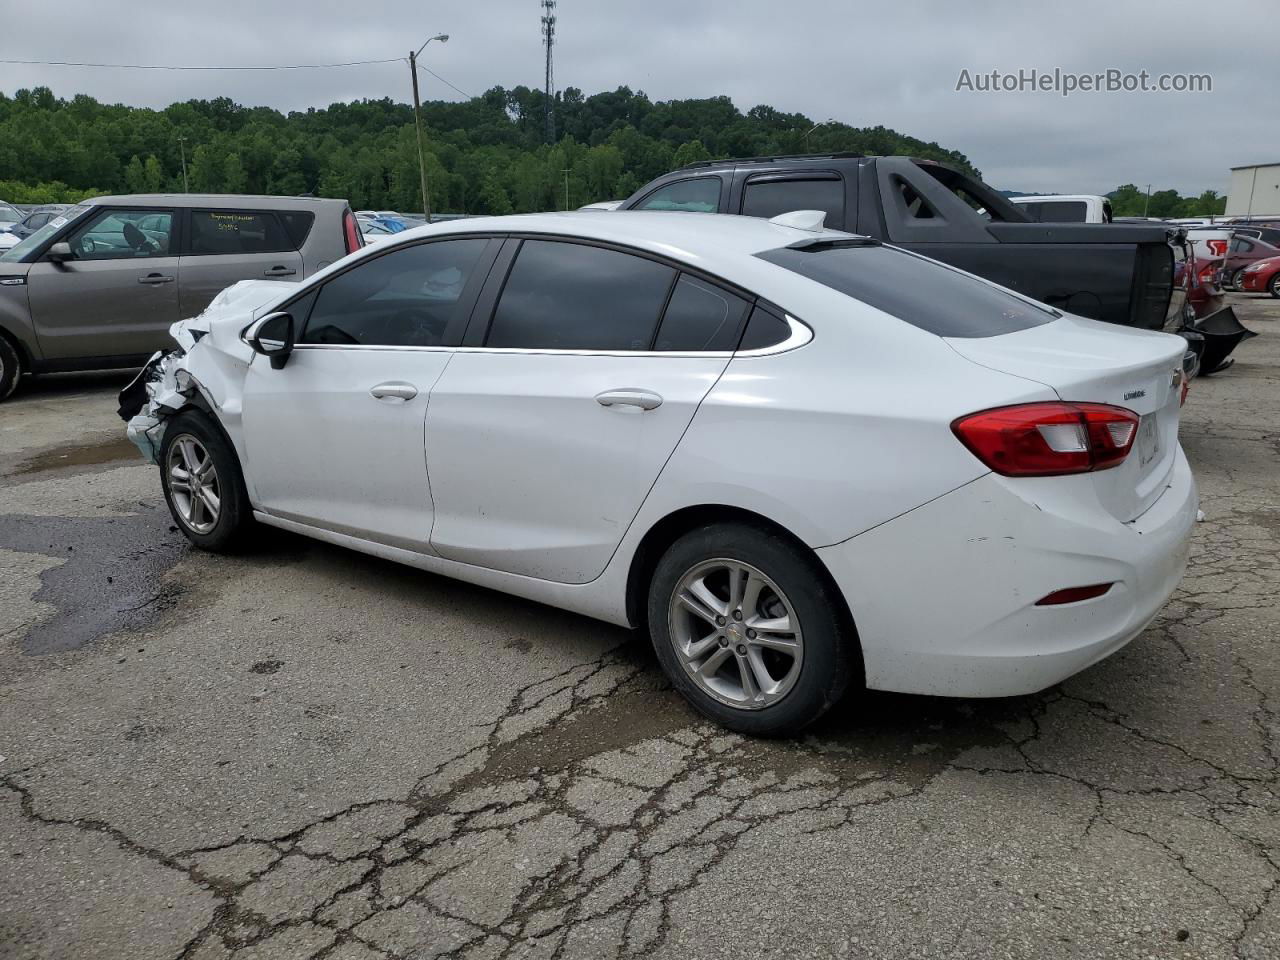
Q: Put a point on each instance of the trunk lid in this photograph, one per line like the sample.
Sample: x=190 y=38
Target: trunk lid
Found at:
x=1084 y=360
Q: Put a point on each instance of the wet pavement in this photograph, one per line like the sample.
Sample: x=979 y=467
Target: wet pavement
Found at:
x=301 y=751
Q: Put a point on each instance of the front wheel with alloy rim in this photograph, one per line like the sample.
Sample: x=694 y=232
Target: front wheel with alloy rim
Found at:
x=10 y=367
x=200 y=475
x=1274 y=286
x=749 y=629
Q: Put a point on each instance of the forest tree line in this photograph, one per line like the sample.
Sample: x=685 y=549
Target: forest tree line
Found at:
x=484 y=155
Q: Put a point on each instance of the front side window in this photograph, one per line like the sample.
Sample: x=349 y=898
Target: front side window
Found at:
x=700 y=316
x=237 y=231
x=917 y=290
x=696 y=195
x=768 y=198
x=570 y=296
x=406 y=298
x=25 y=250
x=124 y=235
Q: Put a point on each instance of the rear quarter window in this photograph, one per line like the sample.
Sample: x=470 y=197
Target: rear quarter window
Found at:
x=916 y=290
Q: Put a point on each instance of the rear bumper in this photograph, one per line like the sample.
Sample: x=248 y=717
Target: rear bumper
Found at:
x=944 y=597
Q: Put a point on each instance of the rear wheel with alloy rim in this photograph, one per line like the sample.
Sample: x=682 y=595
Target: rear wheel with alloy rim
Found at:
x=748 y=627
x=200 y=474
x=1237 y=280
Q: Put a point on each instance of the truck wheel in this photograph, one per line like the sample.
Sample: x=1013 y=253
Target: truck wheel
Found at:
x=202 y=482
x=10 y=367
x=748 y=628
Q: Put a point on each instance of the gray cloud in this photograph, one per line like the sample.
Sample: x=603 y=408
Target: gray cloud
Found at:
x=860 y=63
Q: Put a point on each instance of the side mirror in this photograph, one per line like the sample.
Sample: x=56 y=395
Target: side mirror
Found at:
x=272 y=336
x=60 y=252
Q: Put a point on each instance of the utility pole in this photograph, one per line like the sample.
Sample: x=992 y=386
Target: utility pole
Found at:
x=182 y=146
x=417 y=122
x=548 y=38
x=1147 y=203
x=566 y=188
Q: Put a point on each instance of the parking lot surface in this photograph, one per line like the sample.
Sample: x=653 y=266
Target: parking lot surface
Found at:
x=302 y=751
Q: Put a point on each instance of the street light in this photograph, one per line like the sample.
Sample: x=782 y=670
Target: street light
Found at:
x=417 y=120
x=182 y=145
x=805 y=139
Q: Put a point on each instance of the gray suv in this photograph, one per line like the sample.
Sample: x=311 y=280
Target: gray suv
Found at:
x=99 y=285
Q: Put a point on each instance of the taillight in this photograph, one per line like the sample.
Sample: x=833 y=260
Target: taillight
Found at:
x=351 y=232
x=1218 y=247
x=1208 y=272
x=1049 y=439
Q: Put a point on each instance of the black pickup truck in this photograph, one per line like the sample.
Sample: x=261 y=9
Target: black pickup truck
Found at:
x=1122 y=273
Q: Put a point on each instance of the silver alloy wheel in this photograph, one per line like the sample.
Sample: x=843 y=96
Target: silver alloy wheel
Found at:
x=736 y=633
x=193 y=484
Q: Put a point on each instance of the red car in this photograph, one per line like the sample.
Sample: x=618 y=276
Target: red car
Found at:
x=1261 y=276
x=1242 y=252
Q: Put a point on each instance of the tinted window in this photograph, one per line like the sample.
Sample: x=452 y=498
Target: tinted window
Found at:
x=1057 y=211
x=922 y=292
x=236 y=231
x=406 y=298
x=764 y=329
x=297 y=225
x=700 y=317
x=123 y=235
x=568 y=296
x=698 y=195
x=769 y=198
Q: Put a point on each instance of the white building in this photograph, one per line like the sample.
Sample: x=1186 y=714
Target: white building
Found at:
x=1254 y=190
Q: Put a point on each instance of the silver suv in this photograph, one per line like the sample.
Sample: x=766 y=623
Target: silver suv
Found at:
x=98 y=286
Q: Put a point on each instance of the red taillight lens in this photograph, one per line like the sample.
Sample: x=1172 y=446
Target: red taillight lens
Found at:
x=1219 y=247
x=1074 y=594
x=1208 y=272
x=1049 y=439
x=351 y=232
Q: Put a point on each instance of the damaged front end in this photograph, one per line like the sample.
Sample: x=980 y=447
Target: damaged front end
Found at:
x=207 y=368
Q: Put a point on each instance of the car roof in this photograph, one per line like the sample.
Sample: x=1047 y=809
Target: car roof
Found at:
x=1059 y=196
x=696 y=237
x=212 y=200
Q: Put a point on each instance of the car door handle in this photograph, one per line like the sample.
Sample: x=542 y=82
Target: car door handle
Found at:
x=629 y=397
x=394 y=390
x=279 y=271
x=155 y=278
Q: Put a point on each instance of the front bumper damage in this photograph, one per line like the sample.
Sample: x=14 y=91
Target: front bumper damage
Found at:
x=161 y=389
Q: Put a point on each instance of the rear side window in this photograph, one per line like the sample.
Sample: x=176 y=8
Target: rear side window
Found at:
x=764 y=329
x=768 y=198
x=1056 y=211
x=297 y=224
x=696 y=195
x=407 y=298
x=237 y=231
x=700 y=316
x=569 y=296
x=919 y=291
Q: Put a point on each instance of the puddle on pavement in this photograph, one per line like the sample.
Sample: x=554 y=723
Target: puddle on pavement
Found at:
x=77 y=455
x=111 y=577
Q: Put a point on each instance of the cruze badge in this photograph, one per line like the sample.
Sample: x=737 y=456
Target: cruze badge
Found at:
x=1134 y=394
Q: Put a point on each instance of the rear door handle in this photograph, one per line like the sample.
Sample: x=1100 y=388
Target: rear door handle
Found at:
x=155 y=278
x=279 y=271
x=629 y=397
x=394 y=390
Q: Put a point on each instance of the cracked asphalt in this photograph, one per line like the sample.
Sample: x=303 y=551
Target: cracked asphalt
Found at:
x=302 y=752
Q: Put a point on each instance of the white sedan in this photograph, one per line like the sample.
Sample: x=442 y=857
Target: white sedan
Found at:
x=801 y=460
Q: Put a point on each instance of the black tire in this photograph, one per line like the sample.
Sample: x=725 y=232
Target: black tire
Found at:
x=234 y=516
x=1237 y=281
x=829 y=650
x=1274 y=286
x=10 y=368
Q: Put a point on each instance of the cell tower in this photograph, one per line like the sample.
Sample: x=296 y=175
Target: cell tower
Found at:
x=548 y=39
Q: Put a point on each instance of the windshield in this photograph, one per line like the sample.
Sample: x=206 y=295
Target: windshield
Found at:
x=22 y=251
x=9 y=214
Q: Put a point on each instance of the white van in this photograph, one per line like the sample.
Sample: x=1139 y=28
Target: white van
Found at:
x=1064 y=208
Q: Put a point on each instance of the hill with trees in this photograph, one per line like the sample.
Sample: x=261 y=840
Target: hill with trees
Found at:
x=486 y=154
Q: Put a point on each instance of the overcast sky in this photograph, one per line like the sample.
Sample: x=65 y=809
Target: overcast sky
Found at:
x=862 y=63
